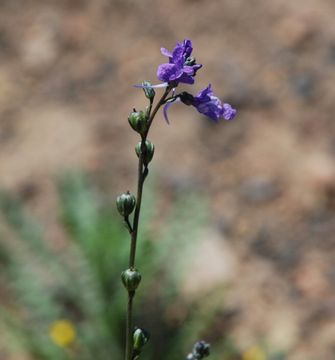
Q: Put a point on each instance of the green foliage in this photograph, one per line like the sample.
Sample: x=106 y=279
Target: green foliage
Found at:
x=82 y=283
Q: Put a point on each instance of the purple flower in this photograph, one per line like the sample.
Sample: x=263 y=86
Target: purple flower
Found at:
x=181 y=67
x=206 y=103
x=210 y=105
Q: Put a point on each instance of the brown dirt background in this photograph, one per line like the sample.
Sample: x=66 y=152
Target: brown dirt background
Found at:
x=66 y=70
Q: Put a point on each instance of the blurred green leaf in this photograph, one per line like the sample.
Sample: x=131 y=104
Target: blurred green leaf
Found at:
x=82 y=282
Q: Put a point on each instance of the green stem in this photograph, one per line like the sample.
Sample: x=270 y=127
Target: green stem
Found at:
x=129 y=337
x=142 y=172
x=159 y=104
x=137 y=213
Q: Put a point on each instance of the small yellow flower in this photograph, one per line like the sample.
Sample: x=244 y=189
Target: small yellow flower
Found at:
x=254 y=353
x=62 y=333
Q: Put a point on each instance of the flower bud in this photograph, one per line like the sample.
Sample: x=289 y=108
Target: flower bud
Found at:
x=140 y=338
x=125 y=203
x=190 y=61
x=138 y=121
x=202 y=349
x=148 y=153
x=131 y=279
x=148 y=91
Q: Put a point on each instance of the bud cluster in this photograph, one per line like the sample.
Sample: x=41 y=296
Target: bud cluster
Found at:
x=200 y=350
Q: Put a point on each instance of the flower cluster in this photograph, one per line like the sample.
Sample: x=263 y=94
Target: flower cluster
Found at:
x=182 y=68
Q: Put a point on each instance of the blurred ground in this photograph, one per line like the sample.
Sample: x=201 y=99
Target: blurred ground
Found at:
x=66 y=70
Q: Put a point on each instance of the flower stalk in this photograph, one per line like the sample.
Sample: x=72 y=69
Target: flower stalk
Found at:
x=133 y=229
x=182 y=68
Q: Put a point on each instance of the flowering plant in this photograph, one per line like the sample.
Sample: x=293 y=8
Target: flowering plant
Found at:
x=181 y=68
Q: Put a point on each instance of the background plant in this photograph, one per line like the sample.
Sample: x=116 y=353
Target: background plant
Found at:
x=81 y=283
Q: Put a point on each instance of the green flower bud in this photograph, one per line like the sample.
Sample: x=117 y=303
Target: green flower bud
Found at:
x=140 y=338
x=149 y=151
x=148 y=91
x=131 y=278
x=125 y=203
x=138 y=121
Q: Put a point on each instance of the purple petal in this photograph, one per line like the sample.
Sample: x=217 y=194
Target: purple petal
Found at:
x=212 y=107
x=177 y=74
x=188 y=70
x=228 y=112
x=187 y=47
x=167 y=107
x=166 y=71
x=165 y=112
x=186 y=79
x=205 y=92
x=196 y=67
x=166 y=52
x=177 y=56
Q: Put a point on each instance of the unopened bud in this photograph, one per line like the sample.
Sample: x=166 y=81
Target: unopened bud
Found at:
x=140 y=338
x=201 y=349
x=148 y=153
x=131 y=278
x=125 y=203
x=138 y=121
x=148 y=91
x=190 y=61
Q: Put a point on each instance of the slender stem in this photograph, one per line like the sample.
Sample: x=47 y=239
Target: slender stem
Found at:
x=140 y=183
x=142 y=173
x=127 y=223
x=129 y=340
x=159 y=104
